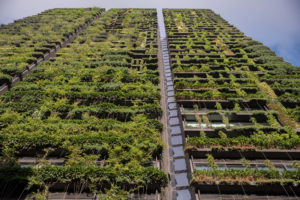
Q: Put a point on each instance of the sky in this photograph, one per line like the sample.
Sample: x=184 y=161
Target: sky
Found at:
x=275 y=23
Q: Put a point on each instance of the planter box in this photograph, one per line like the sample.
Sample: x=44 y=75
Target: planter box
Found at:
x=270 y=189
x=248 y=154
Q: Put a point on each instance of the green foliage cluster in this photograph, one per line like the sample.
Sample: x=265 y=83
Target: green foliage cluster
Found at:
x=215 y=94
x=28 y=39
x=195 y=83
x=98 y=100
x=95 y=177
x=248 y=176
x=257 y=140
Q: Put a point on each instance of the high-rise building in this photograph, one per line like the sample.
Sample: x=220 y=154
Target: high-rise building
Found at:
x=84 y=124
x=96 y=105
x=239 y=109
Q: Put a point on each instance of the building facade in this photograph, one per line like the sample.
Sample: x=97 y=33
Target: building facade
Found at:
x=96 y=105
x=239 y=108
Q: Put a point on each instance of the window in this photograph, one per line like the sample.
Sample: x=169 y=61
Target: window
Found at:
x=25 y=165
x=262 y=167
x=280 y=168
x=222 y=167
x=235 y=166
x=290 y=167
x=199 y=166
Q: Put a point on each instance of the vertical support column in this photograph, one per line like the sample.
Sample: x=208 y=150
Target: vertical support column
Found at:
x=178 y=161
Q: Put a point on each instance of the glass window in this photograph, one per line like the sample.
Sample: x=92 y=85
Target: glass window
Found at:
x=290 y=167
x=221 y=167
x=203 y=125
x=217 y=124
x=253 y=166
x=262 y=167
x=188 y=109
x=280 y=168
x=200 y=166
x=192 y=124
x=25 y=164
x=235 y=166
x=57 y=164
